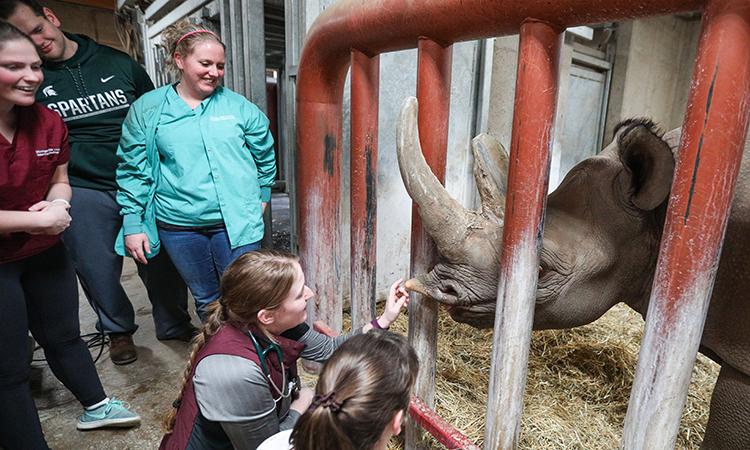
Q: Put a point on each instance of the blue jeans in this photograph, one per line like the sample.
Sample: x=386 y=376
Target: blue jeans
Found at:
x=200 y=258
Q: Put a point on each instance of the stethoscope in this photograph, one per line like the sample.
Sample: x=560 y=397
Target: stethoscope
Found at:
x=262 y=352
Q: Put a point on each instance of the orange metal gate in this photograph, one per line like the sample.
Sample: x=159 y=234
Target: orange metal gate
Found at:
x=356 y=32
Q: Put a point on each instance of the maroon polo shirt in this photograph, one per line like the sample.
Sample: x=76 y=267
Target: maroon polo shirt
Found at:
x=26 y=168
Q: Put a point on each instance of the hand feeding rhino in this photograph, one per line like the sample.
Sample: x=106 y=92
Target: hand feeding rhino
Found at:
x=600 y=245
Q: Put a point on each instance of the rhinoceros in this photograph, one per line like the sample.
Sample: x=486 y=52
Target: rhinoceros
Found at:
x=601 y=239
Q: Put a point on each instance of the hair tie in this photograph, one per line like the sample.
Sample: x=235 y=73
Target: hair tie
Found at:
x=325 y=401
x=190 y=33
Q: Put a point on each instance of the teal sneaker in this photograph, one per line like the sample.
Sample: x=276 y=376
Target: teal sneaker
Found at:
x=114 y=414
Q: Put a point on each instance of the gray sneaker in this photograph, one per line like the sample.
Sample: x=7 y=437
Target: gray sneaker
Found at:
x=114 y=414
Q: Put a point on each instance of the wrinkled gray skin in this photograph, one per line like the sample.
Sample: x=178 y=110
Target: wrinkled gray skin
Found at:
x=601 y=240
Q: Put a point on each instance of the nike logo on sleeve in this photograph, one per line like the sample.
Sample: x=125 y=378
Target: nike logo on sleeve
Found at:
x=104 y=80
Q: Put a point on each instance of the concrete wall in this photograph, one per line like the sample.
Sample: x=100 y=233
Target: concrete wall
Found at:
x=502 y=93
x=650 y=77
x=96 y=23
x=503 y=88
x=652 y=70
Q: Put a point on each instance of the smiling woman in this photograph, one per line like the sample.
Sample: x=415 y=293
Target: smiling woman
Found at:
x=37 y=281
x=207 y=156
x=20 y=75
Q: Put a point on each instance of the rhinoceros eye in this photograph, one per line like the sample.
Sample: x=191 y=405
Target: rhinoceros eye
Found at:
x=545 y=270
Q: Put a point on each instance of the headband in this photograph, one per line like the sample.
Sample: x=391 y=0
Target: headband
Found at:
x=190 y=33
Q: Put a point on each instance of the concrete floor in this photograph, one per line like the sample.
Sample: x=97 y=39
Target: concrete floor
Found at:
x=149 y=384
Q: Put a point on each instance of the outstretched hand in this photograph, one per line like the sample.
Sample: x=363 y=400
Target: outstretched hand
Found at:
x=398 y=299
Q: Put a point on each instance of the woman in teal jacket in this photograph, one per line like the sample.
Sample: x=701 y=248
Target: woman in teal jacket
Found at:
x=196 y=165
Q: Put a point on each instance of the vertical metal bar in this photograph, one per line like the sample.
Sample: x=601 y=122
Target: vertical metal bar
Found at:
x=365 y=89
x=711 y=146
x=293 y=32
x=254 y=48
x=318 y=198
x=148 y=61
x=433 y=94
x=225 y=24
x=253 y=83
x=528 y=176
x=236 y=47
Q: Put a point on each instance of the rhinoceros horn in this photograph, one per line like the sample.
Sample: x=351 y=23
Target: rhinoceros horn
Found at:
x=490 y=173
x=444 y=219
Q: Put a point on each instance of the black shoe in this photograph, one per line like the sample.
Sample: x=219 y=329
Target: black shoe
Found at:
x=186 y=336
x=121 y=348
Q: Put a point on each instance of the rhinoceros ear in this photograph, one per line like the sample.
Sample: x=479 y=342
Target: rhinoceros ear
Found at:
x=648 y=163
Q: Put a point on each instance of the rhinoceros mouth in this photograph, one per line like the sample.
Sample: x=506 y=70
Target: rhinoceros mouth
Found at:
x=480 y=315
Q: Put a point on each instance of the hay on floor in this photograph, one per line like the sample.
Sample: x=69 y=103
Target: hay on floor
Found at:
x=578 y=383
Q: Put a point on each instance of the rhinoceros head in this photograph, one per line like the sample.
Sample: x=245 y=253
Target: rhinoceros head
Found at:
x=601 y=234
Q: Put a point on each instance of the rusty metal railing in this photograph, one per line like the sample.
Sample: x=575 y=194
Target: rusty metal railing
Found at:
x=356 y=32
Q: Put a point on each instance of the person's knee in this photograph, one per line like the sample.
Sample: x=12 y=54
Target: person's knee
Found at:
x=13 y=377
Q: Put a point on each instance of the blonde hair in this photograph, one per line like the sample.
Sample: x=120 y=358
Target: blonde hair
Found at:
x=181 y=38
x=361 y=388
x=254 y=281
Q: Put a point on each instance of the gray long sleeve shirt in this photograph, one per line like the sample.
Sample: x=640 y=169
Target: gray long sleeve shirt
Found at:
x=234 y=392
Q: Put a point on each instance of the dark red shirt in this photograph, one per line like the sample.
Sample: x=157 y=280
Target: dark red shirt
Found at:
x=26 y=168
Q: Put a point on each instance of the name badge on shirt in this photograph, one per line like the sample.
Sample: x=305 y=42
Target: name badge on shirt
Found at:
x=47 y=151
x=222 y=118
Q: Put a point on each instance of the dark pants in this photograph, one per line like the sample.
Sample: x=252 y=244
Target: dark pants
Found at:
x=39 y=294
x=203 y=257
x=91 y=240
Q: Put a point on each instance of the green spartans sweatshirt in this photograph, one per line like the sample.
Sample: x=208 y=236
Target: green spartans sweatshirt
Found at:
x=92 y=92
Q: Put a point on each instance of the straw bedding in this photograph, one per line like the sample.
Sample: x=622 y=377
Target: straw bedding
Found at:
x=577 y=387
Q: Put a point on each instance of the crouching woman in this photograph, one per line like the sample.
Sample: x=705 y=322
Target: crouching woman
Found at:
x=240 y=386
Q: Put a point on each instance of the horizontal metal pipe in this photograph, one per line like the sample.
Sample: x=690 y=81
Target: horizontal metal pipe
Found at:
x=379 y=26
x=439 y=428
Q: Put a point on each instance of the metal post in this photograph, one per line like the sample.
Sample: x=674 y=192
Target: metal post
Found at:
x=365 y=87
x=253 y=82
x=433 y=94
x=710 y=152
x=528 y=176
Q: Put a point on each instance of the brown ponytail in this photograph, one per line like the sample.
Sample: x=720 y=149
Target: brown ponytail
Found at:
x=361 y=388
x=216 y=318
x=254 y=281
